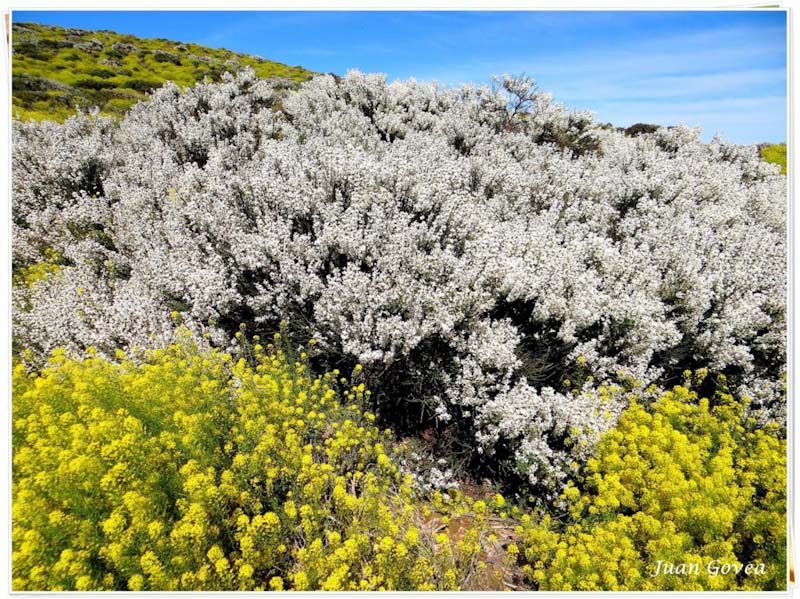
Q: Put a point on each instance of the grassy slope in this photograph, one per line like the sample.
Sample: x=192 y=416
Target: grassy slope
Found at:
x=776 y=154
x=56 y=69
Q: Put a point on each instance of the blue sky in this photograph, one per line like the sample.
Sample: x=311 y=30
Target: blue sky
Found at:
x=723 y=71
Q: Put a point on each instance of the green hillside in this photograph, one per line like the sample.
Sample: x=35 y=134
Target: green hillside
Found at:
x=776 y=154
x=55 y=69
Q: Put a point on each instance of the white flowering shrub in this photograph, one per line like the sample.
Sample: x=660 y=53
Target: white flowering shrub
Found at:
x=496 y=262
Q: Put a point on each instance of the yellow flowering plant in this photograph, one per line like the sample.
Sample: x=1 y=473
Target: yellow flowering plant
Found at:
x=194 y=470
x=688 y=494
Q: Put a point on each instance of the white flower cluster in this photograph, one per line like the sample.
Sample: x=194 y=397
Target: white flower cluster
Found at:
x=427 y=476
x=472 y=247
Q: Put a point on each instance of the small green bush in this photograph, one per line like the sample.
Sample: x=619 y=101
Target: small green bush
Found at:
x=116 y=53
x=102 y=73
x=641 y=128
x=163 y=56
x=21 y=82
x=141 y=85
x=33 y=50
x=94 y=84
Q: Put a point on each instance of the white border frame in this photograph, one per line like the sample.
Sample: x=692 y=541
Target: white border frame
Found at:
x=793 y=220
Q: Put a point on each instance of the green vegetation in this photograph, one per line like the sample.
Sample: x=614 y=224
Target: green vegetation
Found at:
x=776 y=154
x=55 y=70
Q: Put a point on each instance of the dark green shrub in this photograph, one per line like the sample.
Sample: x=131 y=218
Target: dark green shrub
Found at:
x=56 y=44
x=22 y=82
x=102 y=73
x=32 y=49
x=94 y=84
x=162 y=56
x=141 y=85
x=115 y=53
x=640 y=128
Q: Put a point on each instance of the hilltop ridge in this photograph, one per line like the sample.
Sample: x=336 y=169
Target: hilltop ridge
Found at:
x=56 y=69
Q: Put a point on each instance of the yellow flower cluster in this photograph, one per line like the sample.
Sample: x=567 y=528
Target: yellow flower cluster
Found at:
x=26 y=276
x=193 y=470
x=673 y=493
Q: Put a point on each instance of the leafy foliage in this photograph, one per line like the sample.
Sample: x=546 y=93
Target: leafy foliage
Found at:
x=684 y=480
x=56 y=69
